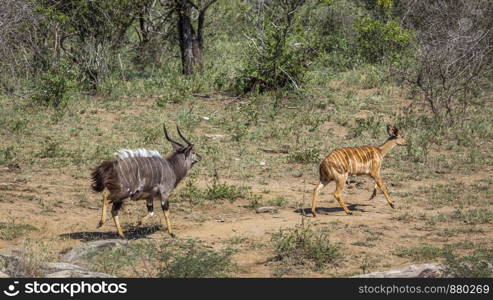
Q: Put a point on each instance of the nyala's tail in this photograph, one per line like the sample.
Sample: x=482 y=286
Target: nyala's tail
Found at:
x=101 y=174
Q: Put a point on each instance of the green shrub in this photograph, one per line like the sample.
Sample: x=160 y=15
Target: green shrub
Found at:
x=304 y=246
x=7 y=155
x=278 y=201
x=221 y=191
x=216 y=192
x=377 y=40
x=304 y=156
x=372 y=124
x=191 y=193
x=52 y=88
x=195 y=262
x=276 y=53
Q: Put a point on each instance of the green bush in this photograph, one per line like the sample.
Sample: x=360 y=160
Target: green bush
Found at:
x=195 y=262
x=216 y=192
x=52 y=88
x=377 y=40
x=304 y=246
x=370 y=124
x=276 y=54
x=7 y=155
x=304 y=156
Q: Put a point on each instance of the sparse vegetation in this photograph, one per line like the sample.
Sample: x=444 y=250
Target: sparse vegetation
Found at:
x=215 y=192
x=10 y=231
x=477 y=264
x=474 y=216
x=420 y=253
x=167 y=259
x=303 y=245
x=32 y=255
x=305 y=156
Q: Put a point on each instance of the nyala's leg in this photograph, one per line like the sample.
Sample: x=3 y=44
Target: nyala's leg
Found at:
x=114 y=212
x=165 y=207
x=374 y=192
x=104 y=209
x=340 y=182
x=383 y=188
x=317 y=189
x=164 y=195
x=150 y=210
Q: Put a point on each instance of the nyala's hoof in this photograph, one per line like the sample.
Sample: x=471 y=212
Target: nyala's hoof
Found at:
x=350 y=213
x=100 y=224
x=172 y=235
x=392 y=205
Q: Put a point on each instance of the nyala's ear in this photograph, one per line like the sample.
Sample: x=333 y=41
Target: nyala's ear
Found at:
x=389 y=130
x=392 y=131
x=187 y=150
x=176 y=147
x=396 y=131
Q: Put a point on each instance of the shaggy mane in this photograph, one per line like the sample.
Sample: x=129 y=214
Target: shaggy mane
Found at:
x=126 y=153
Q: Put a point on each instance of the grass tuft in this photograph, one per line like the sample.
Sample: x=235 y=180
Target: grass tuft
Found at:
x=10 y=231
x=302 y=245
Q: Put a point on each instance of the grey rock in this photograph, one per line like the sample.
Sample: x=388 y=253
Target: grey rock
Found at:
x=12 y=266
x=79 y=252
x=432 y=270
x=265 y=209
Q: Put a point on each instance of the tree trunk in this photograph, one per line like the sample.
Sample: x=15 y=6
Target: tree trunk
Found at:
x=191 y=41
x=187 y=37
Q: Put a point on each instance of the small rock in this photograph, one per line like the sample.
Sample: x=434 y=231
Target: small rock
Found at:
x=262 y=163
x=13 y=166
x=206 y=118
x=214 y=136
x=78 y=253
x=265 y=209
x=10 y=265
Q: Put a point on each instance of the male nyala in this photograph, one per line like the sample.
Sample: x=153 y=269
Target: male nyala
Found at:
x=143 y=174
